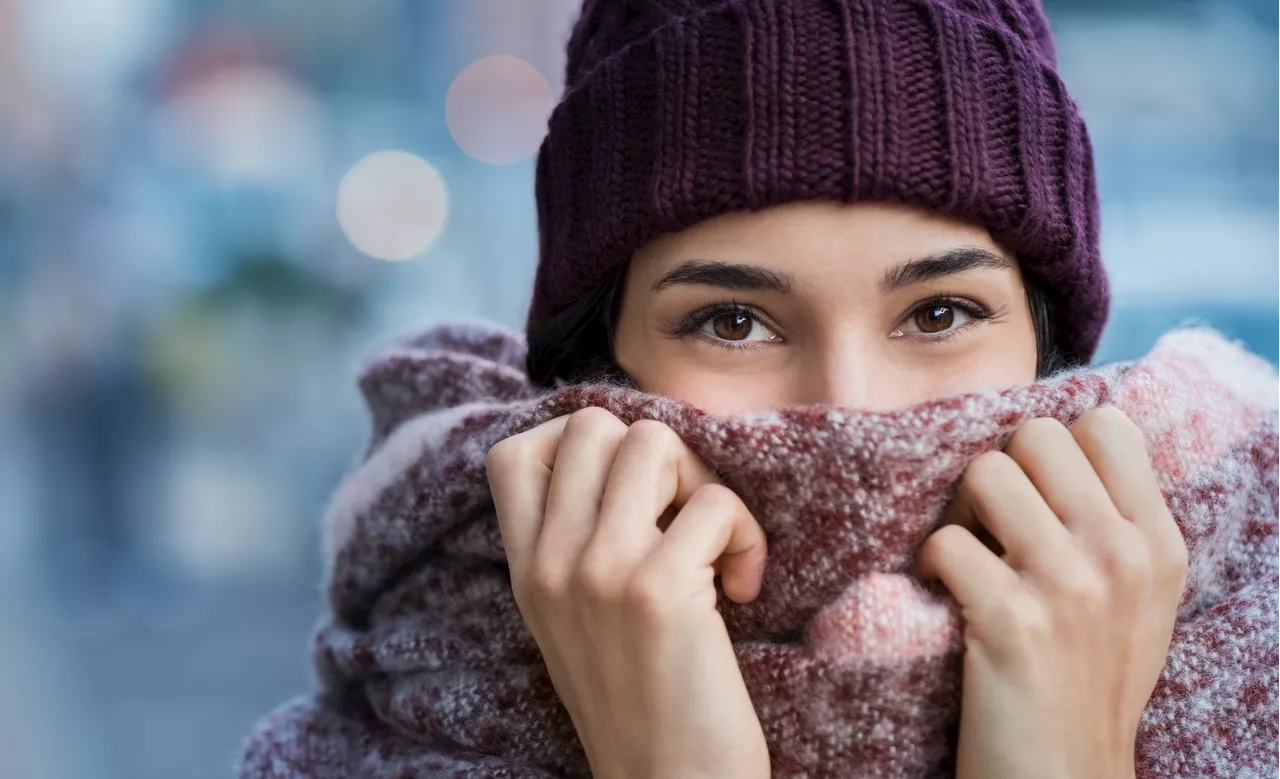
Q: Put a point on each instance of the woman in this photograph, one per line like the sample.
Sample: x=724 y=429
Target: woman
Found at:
x=751 y=206
x=874 y=305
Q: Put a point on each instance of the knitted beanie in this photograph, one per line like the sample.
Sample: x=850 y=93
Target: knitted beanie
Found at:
x=675 y=111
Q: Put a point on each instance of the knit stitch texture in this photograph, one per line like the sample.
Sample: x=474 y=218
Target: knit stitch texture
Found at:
x=427 y=670
x=675 y=111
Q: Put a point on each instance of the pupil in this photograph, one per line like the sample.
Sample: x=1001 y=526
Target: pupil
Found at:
x=936 y=319
x=733 y=327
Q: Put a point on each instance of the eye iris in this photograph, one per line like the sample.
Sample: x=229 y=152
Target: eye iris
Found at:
x=936 y=319
x=732 y=327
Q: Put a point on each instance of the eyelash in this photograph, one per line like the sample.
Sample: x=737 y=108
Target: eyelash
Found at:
x=975 y=311
x=692 y=324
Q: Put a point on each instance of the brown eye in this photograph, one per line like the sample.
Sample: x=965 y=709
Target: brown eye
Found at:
x=935 y=319
x=731 y=327
x=735 y=326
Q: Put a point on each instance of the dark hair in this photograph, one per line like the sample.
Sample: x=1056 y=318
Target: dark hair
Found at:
x=576 y=345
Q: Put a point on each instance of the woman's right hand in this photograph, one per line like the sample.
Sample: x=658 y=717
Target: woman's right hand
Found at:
x=623 y=610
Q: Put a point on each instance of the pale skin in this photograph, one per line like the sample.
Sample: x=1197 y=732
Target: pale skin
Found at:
x=615 y=533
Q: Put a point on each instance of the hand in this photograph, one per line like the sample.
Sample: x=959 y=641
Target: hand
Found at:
x=1068 y=622
x=624 y=611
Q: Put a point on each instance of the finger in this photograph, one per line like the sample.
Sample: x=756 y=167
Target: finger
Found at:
x=583 y=460
x=519 y=473
x=1050 y=457
x=1118 y=454
x=971 y=572
x=1116 y=451
x=996 y=494
x=653 y=470
x=714 y=529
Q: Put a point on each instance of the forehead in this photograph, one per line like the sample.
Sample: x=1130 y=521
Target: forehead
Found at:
x=808 y=239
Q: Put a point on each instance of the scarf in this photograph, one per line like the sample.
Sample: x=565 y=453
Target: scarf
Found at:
x=425 y=667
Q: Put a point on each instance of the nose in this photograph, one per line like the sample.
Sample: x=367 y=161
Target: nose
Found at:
x=844 y=375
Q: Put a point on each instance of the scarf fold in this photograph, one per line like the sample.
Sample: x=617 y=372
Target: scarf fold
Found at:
x=426 y=669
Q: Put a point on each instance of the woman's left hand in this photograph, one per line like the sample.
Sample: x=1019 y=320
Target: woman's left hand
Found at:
x=1067 y=630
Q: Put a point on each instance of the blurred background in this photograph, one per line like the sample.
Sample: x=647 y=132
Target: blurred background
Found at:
x=211 y=209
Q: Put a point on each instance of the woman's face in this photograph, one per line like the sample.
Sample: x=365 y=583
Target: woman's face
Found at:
x=873 y=306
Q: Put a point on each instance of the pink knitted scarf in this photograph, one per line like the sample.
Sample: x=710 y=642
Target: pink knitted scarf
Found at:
x=427 y=670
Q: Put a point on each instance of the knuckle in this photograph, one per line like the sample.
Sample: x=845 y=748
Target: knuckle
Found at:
x=988 y=469
x=1106 y=421
x=1082 y=588
x=1034 y=437
x=1023 y=621
x=1102 y=416
x=645 y=595
x=595 y=425
x=1036 y=430
x=934 y=550
x=595 y=577
x=592 y=418
x=943 y=539
x=546 y=584
x=1127 y=560
x=503 y=456
x=650 y=433
x=716 y=500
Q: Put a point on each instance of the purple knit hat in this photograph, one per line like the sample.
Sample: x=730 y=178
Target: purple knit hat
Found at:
x=679 y=110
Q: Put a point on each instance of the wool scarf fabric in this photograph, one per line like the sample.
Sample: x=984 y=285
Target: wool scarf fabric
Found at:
x=426 y=669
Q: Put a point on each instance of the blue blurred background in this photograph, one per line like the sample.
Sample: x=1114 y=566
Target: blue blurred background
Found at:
x=211 y=209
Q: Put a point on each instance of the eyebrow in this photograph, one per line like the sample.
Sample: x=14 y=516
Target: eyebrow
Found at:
x=737 y=276
x=936 y=266
x=730 y=275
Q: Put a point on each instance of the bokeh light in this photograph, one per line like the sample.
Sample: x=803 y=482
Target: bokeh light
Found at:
x=87 y=47
x=497 y=109
x=247 y=124
x=392 y=205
